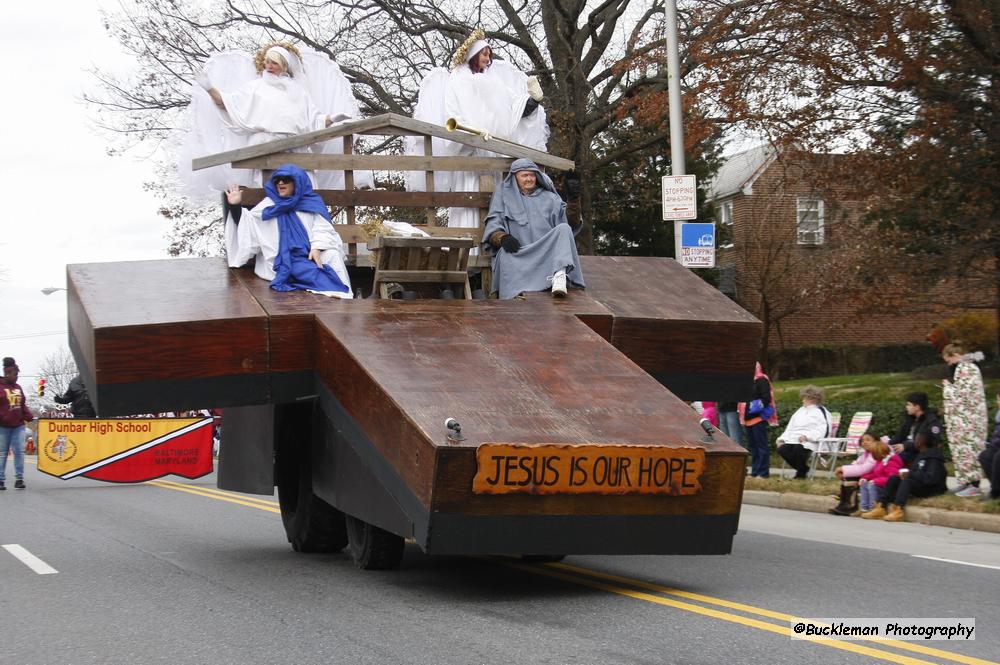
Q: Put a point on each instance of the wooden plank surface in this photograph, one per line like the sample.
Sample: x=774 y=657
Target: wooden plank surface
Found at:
x=373 y=125
x=675 y=326
x=368 y=197
x=312 y=161
x=532 y=375
x=171 y=322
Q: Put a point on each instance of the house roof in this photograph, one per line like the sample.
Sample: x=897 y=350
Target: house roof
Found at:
x=739 y=172
x=383 y=125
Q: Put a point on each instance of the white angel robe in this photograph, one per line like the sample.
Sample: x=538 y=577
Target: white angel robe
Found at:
x=261 y=108
x=257 y=238
x=491 y=101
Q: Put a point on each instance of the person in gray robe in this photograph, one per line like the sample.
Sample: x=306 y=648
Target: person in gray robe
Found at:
x=531 y=240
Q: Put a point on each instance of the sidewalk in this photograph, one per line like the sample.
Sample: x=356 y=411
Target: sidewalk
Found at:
x=817 y=503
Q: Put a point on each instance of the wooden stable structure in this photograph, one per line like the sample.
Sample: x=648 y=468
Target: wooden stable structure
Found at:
x=540 y=426
x=271 y=155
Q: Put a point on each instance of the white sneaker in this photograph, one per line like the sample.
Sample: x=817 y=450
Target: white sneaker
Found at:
x=559 y=284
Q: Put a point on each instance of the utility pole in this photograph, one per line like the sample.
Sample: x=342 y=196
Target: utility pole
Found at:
x=676 y=121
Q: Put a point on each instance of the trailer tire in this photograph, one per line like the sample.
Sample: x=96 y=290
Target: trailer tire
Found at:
x=311 y=524
x=373 y=548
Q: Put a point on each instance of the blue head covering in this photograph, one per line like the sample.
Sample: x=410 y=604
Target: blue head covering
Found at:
x=292 y=267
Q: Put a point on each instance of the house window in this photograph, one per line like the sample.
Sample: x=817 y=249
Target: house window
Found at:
x=809 y=220
x=724 y=216
x=724 y=213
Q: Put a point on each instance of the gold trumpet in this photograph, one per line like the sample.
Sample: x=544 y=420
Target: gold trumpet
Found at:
x=452 y=124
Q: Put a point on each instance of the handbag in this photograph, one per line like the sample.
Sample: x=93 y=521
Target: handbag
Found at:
x=757 y=408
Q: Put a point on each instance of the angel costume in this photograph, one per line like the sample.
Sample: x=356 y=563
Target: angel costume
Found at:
x=280 y=232
x=538 y=221
x=264 y=107
x=493 y=101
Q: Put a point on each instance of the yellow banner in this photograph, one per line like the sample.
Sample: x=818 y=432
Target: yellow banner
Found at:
x=74 y=447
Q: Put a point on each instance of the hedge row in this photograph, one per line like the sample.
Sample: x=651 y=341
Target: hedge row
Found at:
x=834 y=360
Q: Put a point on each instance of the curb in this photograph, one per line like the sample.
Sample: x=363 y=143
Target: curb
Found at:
x=815 y=503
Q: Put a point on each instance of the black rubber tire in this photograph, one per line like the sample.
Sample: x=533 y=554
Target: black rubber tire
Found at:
x=311 y=524
x=542 y=558
x=373 y=548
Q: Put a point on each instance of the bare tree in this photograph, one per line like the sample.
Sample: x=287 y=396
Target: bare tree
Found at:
x=58 y=369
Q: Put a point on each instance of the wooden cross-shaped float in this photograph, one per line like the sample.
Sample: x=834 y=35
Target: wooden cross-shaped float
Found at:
x=343 y=404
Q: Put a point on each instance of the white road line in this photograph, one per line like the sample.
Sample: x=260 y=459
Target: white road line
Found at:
x=30 y=560
x=963 y=563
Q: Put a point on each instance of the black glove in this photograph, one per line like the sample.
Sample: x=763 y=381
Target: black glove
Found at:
x=572 y=184
x=530 y=107
x=510 y=243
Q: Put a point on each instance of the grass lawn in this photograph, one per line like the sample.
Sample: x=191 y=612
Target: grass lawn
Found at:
x=882 y=394
x=885 y=396
x=878 y=388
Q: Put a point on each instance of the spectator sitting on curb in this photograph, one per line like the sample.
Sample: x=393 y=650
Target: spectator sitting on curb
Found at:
x=805 y=428
x=989 y=459
x=927 y=477
x=920 y=419
x=887 y=466
x=850 y=474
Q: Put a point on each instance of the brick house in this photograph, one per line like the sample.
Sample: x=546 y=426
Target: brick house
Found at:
x=791 y=253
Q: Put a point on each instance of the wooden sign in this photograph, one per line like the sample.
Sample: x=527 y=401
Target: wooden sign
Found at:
x=506 y=468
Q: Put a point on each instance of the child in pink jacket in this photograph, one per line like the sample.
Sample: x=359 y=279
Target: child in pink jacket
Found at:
x=887 y=465
x=850 y=475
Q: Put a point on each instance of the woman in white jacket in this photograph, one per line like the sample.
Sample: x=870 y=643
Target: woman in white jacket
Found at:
x=805 y=428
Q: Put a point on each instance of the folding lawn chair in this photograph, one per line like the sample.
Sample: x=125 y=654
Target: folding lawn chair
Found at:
x=831 y=448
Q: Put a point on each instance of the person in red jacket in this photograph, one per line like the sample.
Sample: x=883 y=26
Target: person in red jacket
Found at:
x=14 y=413
x=873 y=483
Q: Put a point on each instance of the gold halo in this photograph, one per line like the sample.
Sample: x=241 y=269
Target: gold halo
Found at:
x=460 y=54
x=258 y=59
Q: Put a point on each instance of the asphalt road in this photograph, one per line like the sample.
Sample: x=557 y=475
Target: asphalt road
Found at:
x=183 y=573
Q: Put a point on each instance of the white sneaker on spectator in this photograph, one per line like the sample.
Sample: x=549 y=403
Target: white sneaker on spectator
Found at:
x=971 y=490
x=559 y=284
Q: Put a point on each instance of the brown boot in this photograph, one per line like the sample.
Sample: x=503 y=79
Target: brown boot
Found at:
x=876 y=513
x=896 y=514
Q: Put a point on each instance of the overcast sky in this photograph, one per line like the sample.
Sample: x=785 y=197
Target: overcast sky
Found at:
x=67 y=201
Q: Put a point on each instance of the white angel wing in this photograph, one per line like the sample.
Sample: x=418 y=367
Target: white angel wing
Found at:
x=332 y=94
x=532 y=131
x=429 y=108
x=206 y=133
x=512 y=77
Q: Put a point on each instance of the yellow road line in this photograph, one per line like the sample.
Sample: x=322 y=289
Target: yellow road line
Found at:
x=271 y=506
x=212 y=490
x=188 y=488
x=907 y=646
x=716 y=614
